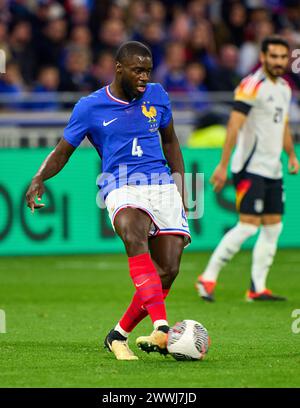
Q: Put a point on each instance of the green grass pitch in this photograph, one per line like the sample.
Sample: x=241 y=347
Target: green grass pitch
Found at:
x=59 y=309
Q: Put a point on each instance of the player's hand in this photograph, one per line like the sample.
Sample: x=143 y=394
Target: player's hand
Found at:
x=293 y=165
x=36 y=188
x=219 y=177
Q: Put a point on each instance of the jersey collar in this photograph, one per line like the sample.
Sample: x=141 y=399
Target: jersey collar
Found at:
x=110 y=95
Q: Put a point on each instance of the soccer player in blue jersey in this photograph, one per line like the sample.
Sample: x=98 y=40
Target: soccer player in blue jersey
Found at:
x=123 y=121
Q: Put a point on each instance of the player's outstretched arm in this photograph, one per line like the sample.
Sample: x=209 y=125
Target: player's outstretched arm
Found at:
x=219 y=176
x=288 y=145
x=173 y=155
x=52 y=165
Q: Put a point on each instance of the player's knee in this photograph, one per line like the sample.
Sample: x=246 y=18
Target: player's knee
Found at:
x=246 y=230
x=169 y=273
x=135 y=239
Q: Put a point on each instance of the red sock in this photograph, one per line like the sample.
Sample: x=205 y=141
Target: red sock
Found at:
x=165 y=292
x=149 y=296
x=136 y=312
x=148 y=285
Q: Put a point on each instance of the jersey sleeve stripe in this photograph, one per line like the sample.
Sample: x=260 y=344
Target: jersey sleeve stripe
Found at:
x=248 y=90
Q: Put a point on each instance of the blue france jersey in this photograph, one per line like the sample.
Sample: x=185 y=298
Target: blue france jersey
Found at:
x=125 y=135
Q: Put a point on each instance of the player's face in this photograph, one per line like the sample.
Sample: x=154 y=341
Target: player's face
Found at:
x=135 y=74
x=275 y=60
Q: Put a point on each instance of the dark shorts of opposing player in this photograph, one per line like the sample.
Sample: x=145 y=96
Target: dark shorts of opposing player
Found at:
x=258 y=195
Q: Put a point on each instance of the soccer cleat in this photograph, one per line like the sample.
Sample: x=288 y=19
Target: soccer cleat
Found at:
x=265 y=295
x=205 y=289
x=157 y=341
x=117 y=344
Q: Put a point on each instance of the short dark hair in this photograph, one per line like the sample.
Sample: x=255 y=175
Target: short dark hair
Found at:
x=273 y=39
x=131 y=48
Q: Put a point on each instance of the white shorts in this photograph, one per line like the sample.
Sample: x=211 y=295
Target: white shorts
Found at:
x=162 y=203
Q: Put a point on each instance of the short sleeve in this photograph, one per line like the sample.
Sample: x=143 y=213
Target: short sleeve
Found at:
x=167 y=112
x=246 y=94
x=77 y=128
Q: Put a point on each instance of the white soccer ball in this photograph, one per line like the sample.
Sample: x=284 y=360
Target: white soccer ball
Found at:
x=188 y=340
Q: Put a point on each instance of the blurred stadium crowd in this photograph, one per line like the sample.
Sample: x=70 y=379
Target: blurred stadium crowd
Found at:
x=198 y=45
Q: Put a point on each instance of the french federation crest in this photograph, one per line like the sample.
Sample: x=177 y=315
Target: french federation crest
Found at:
x=149 y=112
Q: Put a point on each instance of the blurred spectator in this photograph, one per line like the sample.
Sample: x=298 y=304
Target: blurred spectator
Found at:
x=19 y=9
x=180 y=28
x=115 y=12
x=195 y=77
x=56 y=11
x=249 y=53
x=75 y=76
x=293 y=14
x=256 y=16
x=12 y=83
x=291 y=36
x=21 y=50
x=11 y=80
x=201 y=46
x=136 y=15
x=171 y=73
x=50 y=45
x=195 y=85
x=5 y=15
x=152 y=34
x=110 y=36
x=196 y=10
x=157 y=11
x=225 y=76
x=232 y=28
x=103 y=70
x=40 y=17
x=47 y=85
x=4 y=40
x=80 y=14
x=80 y=36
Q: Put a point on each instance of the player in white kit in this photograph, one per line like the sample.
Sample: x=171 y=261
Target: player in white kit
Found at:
x=259 y=128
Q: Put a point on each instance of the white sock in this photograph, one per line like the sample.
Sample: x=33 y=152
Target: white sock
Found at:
x=263 y=255
x=227 y=248
x=158 y=323
x=121 y=331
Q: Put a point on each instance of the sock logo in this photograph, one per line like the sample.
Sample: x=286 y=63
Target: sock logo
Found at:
x=140 y=284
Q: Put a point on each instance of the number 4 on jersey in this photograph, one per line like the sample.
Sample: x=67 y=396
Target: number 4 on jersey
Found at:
x=136 y=149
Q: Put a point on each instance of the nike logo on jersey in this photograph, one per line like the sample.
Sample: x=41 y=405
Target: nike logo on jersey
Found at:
x=138 y=285
x=109 y=122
